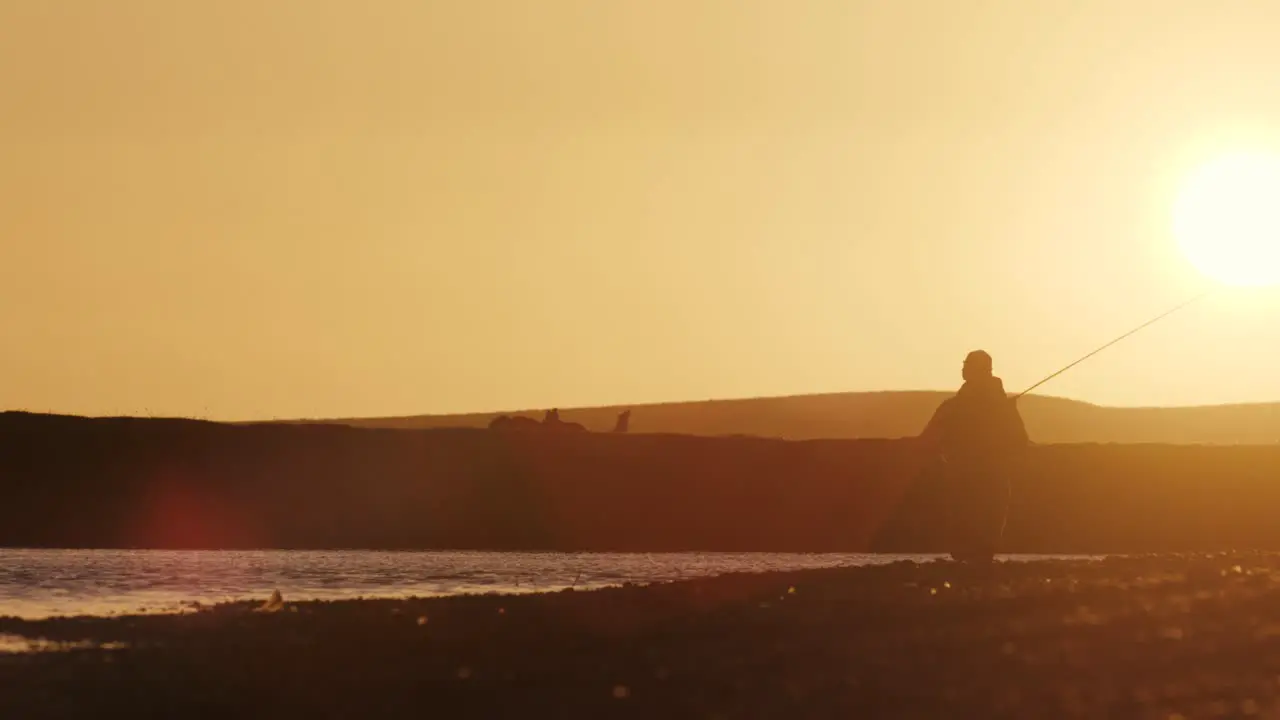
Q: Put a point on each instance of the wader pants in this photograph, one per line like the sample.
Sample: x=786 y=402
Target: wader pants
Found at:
x=979 y=501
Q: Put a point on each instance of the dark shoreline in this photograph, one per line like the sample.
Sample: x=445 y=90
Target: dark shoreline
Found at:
x=171 y=484
x=1134 y=637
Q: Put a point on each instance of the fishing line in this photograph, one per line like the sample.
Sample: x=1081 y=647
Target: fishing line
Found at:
x=1152 y=321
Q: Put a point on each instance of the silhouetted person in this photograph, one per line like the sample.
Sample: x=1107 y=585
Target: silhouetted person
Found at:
x=552 y=421
x=979 y=435
x=624 y=422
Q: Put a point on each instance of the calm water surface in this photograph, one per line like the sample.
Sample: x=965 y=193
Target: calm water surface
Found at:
x=43 y=583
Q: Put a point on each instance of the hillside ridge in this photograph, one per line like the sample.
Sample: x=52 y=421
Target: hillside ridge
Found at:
x=889 y=414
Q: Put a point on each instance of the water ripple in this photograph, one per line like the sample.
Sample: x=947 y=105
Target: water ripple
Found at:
x=44 y=583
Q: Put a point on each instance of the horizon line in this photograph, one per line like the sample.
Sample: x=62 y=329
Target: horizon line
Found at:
x=620 y=405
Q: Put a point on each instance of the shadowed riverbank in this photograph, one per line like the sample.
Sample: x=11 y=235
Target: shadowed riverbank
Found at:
x=127 y=482
x=1143 y=637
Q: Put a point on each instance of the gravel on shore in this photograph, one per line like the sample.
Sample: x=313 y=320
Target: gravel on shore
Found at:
x=1163 y=636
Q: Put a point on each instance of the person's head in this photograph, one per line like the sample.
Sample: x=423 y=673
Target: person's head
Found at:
x=977 y=366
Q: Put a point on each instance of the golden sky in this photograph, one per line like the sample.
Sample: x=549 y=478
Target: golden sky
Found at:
x=278 y=208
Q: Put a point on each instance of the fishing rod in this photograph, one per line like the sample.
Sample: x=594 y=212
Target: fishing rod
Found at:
x=1152 y=321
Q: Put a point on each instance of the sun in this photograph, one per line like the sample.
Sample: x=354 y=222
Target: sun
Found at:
x=1227 y=219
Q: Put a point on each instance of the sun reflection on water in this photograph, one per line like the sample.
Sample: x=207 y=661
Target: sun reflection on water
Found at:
x=45 y=583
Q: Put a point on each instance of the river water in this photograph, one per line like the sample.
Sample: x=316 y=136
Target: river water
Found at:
x=44 y=583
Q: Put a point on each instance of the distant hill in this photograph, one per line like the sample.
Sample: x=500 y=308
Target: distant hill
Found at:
x=893 y=414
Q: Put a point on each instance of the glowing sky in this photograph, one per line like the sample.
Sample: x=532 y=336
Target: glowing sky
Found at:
x=246 y=209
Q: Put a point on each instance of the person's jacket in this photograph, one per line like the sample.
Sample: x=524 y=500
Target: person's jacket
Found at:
x=979 y=425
